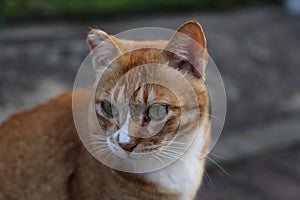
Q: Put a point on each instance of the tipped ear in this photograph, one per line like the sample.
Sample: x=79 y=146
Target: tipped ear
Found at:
x=104 y=49
x=187 y=48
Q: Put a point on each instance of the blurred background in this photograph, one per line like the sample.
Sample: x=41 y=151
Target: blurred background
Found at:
x=255 y=44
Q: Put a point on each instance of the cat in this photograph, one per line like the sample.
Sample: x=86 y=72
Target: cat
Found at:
x=42 y=156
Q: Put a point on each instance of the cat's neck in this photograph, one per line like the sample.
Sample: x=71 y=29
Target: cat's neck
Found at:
x=184 y=175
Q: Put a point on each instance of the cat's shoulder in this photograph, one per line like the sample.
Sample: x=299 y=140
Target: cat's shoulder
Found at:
x=38 y=148
x=44 y=113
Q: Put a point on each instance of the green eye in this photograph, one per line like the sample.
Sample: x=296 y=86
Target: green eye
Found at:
x=158 y=112
x=109 y=109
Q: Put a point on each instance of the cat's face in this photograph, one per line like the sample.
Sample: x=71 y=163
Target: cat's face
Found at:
x=140 y=102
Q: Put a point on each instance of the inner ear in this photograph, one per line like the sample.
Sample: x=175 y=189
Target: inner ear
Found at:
x=103 y=48
x=185 y=65
x=187 y=49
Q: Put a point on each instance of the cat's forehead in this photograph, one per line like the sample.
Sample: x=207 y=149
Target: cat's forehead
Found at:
x=127 y=75
x=138 y=57
x=131 y=92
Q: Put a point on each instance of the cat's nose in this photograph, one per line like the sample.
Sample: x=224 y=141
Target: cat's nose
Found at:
x=129 y=144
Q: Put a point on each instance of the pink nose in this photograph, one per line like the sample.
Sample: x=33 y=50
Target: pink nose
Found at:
x=130 y=145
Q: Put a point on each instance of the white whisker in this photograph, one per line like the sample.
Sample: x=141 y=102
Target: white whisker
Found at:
x=101 y=151
x=208 y=179
x=217 y=156
x=93 y=137
x=97 y=142
x=167 y=156
x=218 y=165
x=210 y=115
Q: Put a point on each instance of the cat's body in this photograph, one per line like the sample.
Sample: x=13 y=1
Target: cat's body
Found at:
x=38 y=151
x=39 y=162
x=41 y=156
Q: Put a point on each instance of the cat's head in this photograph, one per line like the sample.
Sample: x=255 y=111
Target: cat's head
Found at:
x=149 y=91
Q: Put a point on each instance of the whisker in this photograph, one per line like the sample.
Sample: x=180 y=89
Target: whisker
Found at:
x=159 y=159
x=210 y=115
x=208 y=179
x=178 y=147
x=174 y=154
x=217 y=156
x=175 y=142
x=110 y=154
x=96 y=142
x=101 y=147
x=96 y=136
x=101 y=151
x=93 y=137
x=171 y=151
x=218 y=165
x=167 y=156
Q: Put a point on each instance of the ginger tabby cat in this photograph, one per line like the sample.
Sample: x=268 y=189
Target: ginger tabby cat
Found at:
x=42 y=157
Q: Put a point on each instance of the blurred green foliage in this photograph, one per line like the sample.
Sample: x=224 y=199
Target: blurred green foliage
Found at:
x=47 y=8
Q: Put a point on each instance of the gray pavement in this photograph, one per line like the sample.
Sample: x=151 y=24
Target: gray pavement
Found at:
x=273 y=176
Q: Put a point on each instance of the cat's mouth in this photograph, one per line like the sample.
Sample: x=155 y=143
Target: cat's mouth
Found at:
x=135 y=151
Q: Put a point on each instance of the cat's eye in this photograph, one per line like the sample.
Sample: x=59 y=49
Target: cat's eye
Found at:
x=109 y=109
x=158 y=112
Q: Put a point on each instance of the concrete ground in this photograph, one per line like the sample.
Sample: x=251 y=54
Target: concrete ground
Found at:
x=273 y=176
x=257 y=52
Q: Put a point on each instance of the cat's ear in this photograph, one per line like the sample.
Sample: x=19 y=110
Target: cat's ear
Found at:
x=187 y=49
x=103 y=48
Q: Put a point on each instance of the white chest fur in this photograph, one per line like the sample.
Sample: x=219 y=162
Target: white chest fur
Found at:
x=185 y=174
